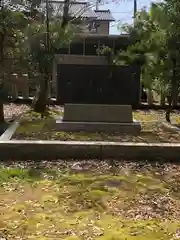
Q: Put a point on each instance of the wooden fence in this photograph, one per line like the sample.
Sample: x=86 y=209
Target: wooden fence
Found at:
x=20 y=85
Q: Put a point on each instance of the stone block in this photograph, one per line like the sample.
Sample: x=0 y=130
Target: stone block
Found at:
x=98 y=113
x=115 y=128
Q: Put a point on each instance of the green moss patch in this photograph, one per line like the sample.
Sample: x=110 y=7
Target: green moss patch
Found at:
x=152 y=131
x=89 y=200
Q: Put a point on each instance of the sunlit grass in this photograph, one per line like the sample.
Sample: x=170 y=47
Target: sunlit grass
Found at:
x=151 y=115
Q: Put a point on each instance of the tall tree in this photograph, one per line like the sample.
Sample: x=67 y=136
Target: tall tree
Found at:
x=150 y=49
x=52 y=34
x=172 y=10
x=12 y=22
x=42 y=58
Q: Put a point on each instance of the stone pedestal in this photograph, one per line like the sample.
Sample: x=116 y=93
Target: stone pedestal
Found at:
x=98 y=118
x=98 y=113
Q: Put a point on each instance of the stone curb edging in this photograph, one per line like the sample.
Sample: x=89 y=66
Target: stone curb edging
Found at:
x=9 y=131
x=7 y=135
x=170 y=127
x=52 y=150
x=12 y=128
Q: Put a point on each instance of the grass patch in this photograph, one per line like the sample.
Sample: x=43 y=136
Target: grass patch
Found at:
x=31 y=122
x=150 y=121
x=151 y=115
x=89 y=200
x=51 y=113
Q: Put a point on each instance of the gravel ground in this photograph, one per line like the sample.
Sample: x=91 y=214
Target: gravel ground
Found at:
x=95 y=165
x=12 y=110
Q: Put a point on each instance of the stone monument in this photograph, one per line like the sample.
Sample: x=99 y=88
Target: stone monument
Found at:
x=98 y=118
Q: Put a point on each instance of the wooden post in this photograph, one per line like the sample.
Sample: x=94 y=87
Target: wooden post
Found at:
x=69 y=48
x=54 y=78
x=114 y=44
x=23 y=82
x=84 y=46
x=11 y=84
x=98 y=46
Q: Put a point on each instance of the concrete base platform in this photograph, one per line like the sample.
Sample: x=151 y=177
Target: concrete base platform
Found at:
x=131 y=128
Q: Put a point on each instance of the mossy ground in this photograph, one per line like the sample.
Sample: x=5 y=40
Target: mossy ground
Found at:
x=90 y=200
x=152 y=130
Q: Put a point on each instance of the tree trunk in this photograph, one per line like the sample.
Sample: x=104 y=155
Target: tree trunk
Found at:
x=40 y=101
x=162 y=99
x=2 y=38
x=65 y=18
x=1 y=113
x=140 y=94
x=174 y=84
x=173 y=95
x=149 y=97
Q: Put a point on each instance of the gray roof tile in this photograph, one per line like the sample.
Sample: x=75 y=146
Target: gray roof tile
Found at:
x=104 y=15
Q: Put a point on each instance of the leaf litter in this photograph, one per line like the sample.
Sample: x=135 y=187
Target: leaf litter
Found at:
x=92 y=199
x=12 y=110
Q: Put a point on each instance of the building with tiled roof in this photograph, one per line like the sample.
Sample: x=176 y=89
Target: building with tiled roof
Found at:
x=104 y=17
x=82 y=14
